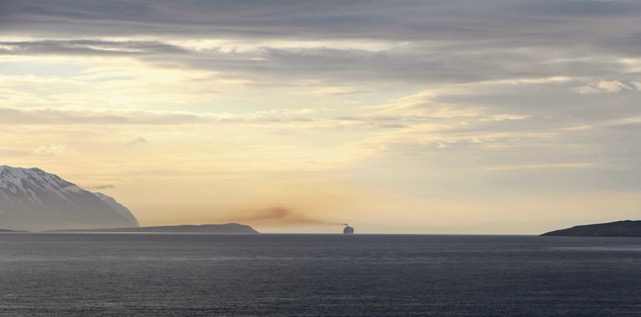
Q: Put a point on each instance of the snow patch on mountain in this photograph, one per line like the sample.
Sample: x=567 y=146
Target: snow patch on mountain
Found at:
x=32 y=199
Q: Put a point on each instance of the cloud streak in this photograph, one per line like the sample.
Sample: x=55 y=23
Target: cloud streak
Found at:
x=100 y=187
x=52 y=116
x=86 y=47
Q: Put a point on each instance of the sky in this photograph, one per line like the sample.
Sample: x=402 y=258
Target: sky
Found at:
x=470 y=117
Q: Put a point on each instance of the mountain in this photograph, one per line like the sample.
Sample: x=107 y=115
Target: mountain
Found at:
x=626 y=228
x=32 y=199
x=120 y=209
x=223 y=228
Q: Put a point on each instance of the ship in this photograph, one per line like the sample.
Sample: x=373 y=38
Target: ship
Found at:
x=348 y=229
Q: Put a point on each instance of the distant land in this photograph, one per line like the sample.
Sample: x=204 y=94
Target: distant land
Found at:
x=34 y=200
x=626 y=228
x=209 y=228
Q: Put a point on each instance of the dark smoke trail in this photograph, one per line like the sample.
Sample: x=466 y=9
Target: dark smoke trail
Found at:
x=279 y=216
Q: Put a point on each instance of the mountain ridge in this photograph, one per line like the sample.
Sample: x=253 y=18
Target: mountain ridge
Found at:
x=119 y=208
x=34 y=200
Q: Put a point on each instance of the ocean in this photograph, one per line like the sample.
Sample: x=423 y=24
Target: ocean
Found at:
x=317 y=275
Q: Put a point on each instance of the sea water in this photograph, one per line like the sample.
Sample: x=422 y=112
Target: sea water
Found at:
x=317 y=275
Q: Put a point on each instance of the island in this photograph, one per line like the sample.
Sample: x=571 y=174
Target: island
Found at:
x=228 y=228
x=626 y=228
x=11 y=231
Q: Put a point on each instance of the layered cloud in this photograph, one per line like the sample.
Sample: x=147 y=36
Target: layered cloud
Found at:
x=435 y=98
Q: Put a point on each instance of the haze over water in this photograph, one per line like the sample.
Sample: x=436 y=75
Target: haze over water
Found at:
x=317 y=275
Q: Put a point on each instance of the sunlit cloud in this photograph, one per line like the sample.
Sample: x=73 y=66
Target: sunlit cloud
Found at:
x=50 y=149
x=604 y=86
x=137 y=142
x=234 y=110
x=540 y=166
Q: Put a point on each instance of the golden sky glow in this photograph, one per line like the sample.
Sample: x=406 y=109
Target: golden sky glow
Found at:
x=405 y=118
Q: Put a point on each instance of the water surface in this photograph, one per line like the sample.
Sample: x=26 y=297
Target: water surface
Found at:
x=317 y=275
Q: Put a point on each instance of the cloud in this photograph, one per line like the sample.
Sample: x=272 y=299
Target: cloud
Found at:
x=604 y=87
x=293 y=118
x=316 y=20
x=50 y=149
x=49 y=116
x=100 y=187
x=540 y=166
x=137 y=142
x=86 y=47
x=438 y=93
x=585 y=9
x=357 y=43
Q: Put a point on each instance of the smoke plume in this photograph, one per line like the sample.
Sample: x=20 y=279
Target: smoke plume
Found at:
x=279 y=216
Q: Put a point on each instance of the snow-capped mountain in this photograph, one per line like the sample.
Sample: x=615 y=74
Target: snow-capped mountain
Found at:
x=31 y=199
